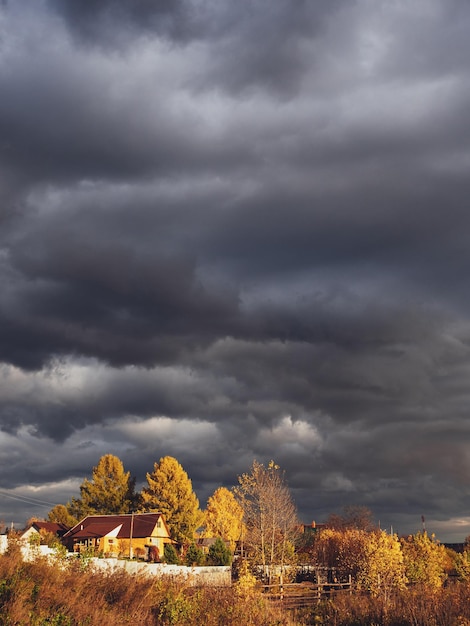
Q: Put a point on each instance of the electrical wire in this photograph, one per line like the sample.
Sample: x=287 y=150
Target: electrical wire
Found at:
x=27 y=499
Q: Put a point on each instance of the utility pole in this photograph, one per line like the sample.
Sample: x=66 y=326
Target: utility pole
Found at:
x=130 y=535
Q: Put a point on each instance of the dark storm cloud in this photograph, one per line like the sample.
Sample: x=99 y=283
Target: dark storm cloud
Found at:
x=74 y=124
x=97 y=21
x=238 y=224
x=236 y=30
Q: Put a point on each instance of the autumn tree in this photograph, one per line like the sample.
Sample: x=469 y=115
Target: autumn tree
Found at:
x=462 y=565
x=169 y=491
x=60 y=515
x=462 y=561
x=425 y=560
x=353 y=516
x=341 y=550
x=223 y=516
x=270 y=515
x=373 y=559
x=109 y=492
x=382 y=568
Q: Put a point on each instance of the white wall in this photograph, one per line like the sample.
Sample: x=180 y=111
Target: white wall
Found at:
x=219 y=576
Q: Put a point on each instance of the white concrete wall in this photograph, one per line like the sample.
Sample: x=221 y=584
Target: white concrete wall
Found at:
x=220 y=576
x=3 y=543
x=28 y=552
x=31 y=552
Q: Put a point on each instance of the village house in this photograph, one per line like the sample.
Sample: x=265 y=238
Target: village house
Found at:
x=40 y=530
x=136 y=534
x=311 y=529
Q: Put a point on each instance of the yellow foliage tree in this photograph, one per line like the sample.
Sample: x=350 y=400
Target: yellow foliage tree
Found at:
x=61 y=515
x=246 y=582
x=341 y=550
x=223 y=516
x=382 y=567
x=425 y=560
x=170 y=491
x=462 y=565
x=109 y=492
x=373 y=559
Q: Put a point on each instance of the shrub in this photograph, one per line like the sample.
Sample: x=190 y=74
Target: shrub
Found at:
x=194 y=556
x=139 y=553
x=170 y=555
x=246 y=581
x=175 y=608
x=462 y=565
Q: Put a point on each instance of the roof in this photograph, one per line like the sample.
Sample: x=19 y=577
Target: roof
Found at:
x=50 y=527
x=97 y=530
x=207 y=542
x=313 y=527
x=102 y=525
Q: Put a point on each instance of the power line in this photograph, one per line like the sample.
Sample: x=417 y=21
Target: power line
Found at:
x=27 y=499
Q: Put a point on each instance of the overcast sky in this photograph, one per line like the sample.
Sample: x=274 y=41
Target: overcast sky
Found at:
x=234 y=231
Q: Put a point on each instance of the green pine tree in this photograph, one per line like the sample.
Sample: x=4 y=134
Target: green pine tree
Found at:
x=219 y=553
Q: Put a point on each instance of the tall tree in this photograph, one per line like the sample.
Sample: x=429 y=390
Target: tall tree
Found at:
x=354 y=516
x=269 y=514
x=373 y=559
x=425 y=560
x=60 y=515
x=342 y=550
x=109 y=492
x=383 y=569
x=224 y=516
x=170 y=491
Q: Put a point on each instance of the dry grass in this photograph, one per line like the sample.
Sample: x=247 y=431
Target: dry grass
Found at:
x=415 y=606
x=40 y=594
x=67 y=594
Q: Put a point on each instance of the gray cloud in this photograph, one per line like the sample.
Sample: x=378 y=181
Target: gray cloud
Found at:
x=238 y=228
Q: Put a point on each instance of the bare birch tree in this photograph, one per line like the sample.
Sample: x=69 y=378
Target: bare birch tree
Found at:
x=270 y=516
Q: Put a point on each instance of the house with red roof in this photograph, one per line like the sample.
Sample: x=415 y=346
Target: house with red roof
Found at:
x=40 y=529
x=140 y=534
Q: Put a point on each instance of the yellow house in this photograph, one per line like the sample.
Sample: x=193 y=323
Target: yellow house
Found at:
x=40 y=529
x=135 y=534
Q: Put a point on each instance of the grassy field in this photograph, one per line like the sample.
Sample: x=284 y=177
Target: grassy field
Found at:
x=39 y=593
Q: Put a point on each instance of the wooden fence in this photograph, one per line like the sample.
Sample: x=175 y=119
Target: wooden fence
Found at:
x=297 y=595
